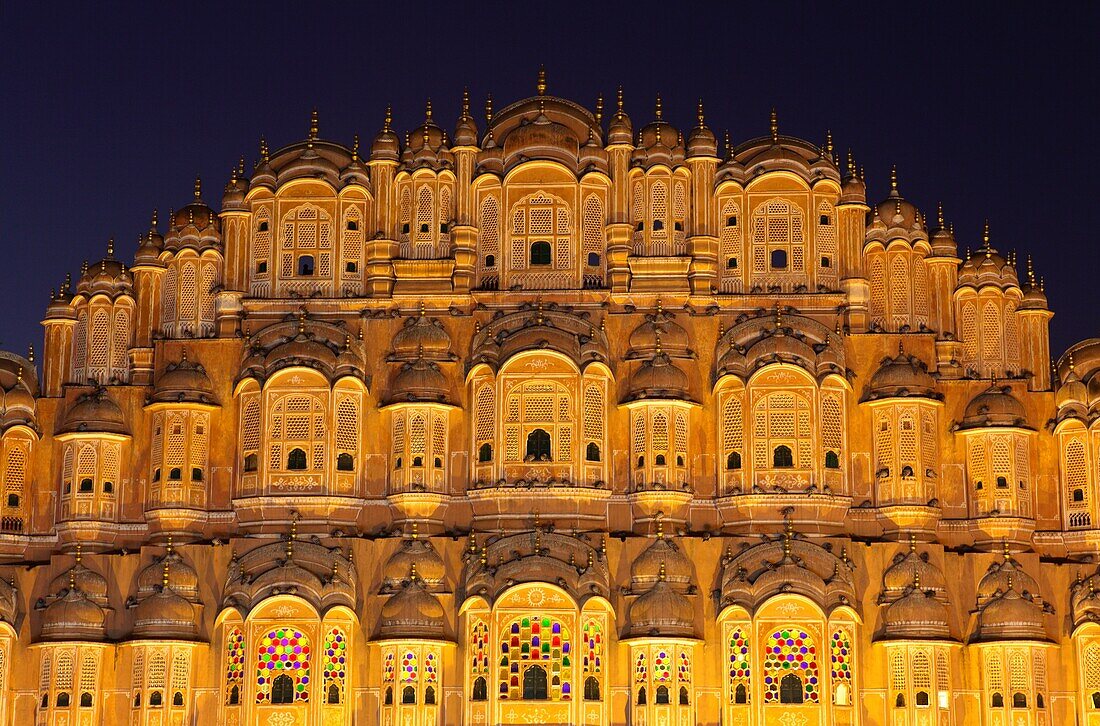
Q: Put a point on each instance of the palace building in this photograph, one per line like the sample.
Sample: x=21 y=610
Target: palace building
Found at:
x=553 y=418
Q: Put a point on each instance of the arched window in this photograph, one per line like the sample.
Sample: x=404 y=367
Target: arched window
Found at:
x=296 y=460
x=534 y=684
x=345 y=462
x=282 y=690
x=684 y=701
x=305 y=265
x=779 y=259
x=1078 y=495
x=490 y=260
x=250 y=462
x=662 y=695
x=832 y=461
x=782 y=457
x=1002 y=482
x=641 y=696
x=899 y=701
x=538 y=446
x=156 y=699
x=591 y=689
x=177 y=699
x=480 y=691
x=790 y=689
x=234 y=695
x=593 y=259
x=540 y=253
x=429 y=696
x=62 y=700
x=733 y=461
x=485 y=453
x=659 y=460
x=922 y=699
x=388 y=700
x=1096 y=699
x=740 y=694
x=1019 y=700
x=196 y=473
x=408 y=695
x=997 y=701
x=175 y=474
x=85 y=700
x=592 y=452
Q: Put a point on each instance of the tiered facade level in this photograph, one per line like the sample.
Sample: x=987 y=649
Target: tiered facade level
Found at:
x=551 y=421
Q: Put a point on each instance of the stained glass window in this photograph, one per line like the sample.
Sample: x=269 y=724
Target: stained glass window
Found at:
x=790 y=651
x=336 y=658
x=662 y=666
x=739 y=668
x=388 y=668
x=537 y=639
x=640 y=668
x=283 y=651
x=408 y=667
x=479 y=648
x=234 y=663
x=431 y=668
x=683 y=670
x=840 y=655
x=593 y=648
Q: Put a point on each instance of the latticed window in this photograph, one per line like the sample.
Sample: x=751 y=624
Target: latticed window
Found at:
x=731 y=256
x=261 y=245
x=739 y=668
x=234 y=666
x=877 y=272
x=13 y=505
x=782 y=420
x=790 y=653
x=541 y=224
x=535 y=642
x=488 y=236
x=335 y=664
x=297 y=432
x=991 y=335
x=898 y=678
x=733 y=434
x=968 y=328
x=778 y=226
x=1075 y=471
x=592 y=231
x=347 y=433
x=307 y=232
x=899 y=288
x=841 y=668
x=832 y=430
x=283 y=654
x=539 y=405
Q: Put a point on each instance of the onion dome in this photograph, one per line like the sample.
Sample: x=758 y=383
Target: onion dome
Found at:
x=414 y=553
x=905 y=376
x=108 y=277
x=73 y=616
x=658 y=378
x=1001 y=574
x=943 y=240
x=620 y=130
x=901 y=217
x=466 y=133
x=94 y=412
x=412 y=612
x=659 y=142
x=917 y=614
x=236 y=188
x=427 y=145
x=1085 y=600
x=18 y=388
x=197 y=214
x=911 y=567
x=264 y=174
x=90 y=583
x=305 y=160
x=169 y=571
x=164 y=614
x=184 y=382
x=420 y=380
x=422 y=336
x=986 y=267
x=995 y=406
x=701 y=140
x=355 y=172
x=659 y=332
x=150 y=245
x=1011 y=615
x=662 y=612
x=1034 y=296
x=852 y=188
x=386 y=146
x=661 y=556
x=1072 y=392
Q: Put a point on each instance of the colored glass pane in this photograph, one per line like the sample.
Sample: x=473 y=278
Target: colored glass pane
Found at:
x=790 y=650
x=840 y=655
x=536 y=639
x=283 y=651
x=335 y=658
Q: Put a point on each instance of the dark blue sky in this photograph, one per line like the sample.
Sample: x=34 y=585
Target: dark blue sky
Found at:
x=111 y=110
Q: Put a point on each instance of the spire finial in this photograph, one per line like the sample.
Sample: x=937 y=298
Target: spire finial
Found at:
x=488 y=108
x=1005 y=551
x=416 y=530
x=153 y=222
x=916 y=580
x=851 y=164
x=775 y=125
x=198 y=188
x=912 y=543
x=599 y=110
x=30 y=353
x=540 y=83
x=313 y=124
x=302 y=321
x=660 y=529
x=263 y=150
x=661 y=572
x=939 y=214
x=79 y=552
x=164 y=571
x=355 y=147
x=985 y=239
x=657 y=336
x=699 y=114
x=657 y=107
x=1030 y=271
x=465 y=102
x=729 y=146
x=413 y=574
x=788 y=533
x=111 y=248
x=428 y=110
x=619 y=102
x=387 y=120
x=829 y=143
x=778 y=315
x=893 y=178
x=240 y=166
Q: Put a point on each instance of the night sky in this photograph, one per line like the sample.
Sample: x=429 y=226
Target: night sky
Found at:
x=107 y=112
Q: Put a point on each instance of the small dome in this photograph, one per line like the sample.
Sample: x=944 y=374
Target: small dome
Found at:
x=994 y=407
x=658 y=378
x=466 y=129
x=386 y=146
x=150 y=245
x=1002 y=574
x=108 y=277
x=185 y=381
x=660 y=332
x=420 y=380
x=852 y=188
x=182 y=578
x=620 y=130
x=235 y=189
x=417 y=553
x=73 y=616
x=422 y=337
x=356 y=171
x=910 y=568
x=95 y=412
x=901 y=377
x=898 y=213
x=662 y=612
x=986 y=267
x=701 y=140
x=917 y=615
x=412 y=612
x=1073 y=391
x=197 y=214
x=661 y=556
x=1011 y=616
x=164 y=614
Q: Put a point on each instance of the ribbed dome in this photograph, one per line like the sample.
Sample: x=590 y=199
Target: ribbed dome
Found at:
x=620 y=130
x=662 y=612
x=422 y=336
x=660 y=332
x=181 y=577
x=701 y=140
x=911 y=568
x=985 y=267
x=918 y=615
x=901 y=377
x=994 y=407
x=165 y=614
x=417 y=553
x=185 y=381
x=1072 y=391
x=662 y=554
x=466 y=133
x=412 y=612
x=107 y=277
x=898 y=213
x=1011 y=616
x=1001 y=574
x=658 y=378
x=95 y=412
x=73 y=617
x=87 y=581
x=196 y=215
x=386 y=146
x=420 y=380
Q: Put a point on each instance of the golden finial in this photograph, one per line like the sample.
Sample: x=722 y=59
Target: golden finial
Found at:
x=198 y=188
x=68 y=281
x=263 y=149
x=428 y=110
x=775 y=125
x=619 y=102
x=79 y=553
x=591 y=560
x=939 y=214
x=355 y=147
x=603 y=548
x=290 y=539
x=540 y=83
x=1030 y=271
x=829 y=143
x=661 y=572
x=72 y=580
x=699 y=114
x=912 y=543
x=30 y=353
x=851 y=164
x=347 y=341
x=657 y=336
x=539 y=319
x=302 y=320
x=164 y=573
x=313 y=124
x=1005 y=550
x=111 y=248
x=1042 y=284
x=84 y=267
x=657 y=107
x=465 y=103
x=153 y=222
x=387 y=120
x=483 y=558
x=488 y=108
x=916 y=580
x=1010 y=582
x=416 y=530
x=729 y=146
x=893 y=178
x=599 y=110
x=778 y=315
x=660 y=529
x=240 y=166
x=985 y=239
x=472 y=547
x=413 y=576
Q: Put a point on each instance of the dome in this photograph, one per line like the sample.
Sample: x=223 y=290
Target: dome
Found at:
x=150 y=245
x=663 y=556
x=95 y=412
x=1011 y=616
x=181 y=577
x=658 y=378
x=89 y=582
x=422 y=337
x=910 y=568
x=412 y=612
x=901 y=377
x=417 y=553
x=107 y=277
x=986 y=267
x=918 y=614
x=420 y=380
x=466 y=129
x=197 y=215
x=701 y=140
x=185 y=381
x=73 y=617
x=659 y=332
x=899 y=214
x=1073 y=391
x=355 y=172
x=164 y=614
x=994 y=407
x=235 y=189
x=386 y=146
x=662 y=612
x=620 y=130
x=1003 y=574
x=426 y=145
